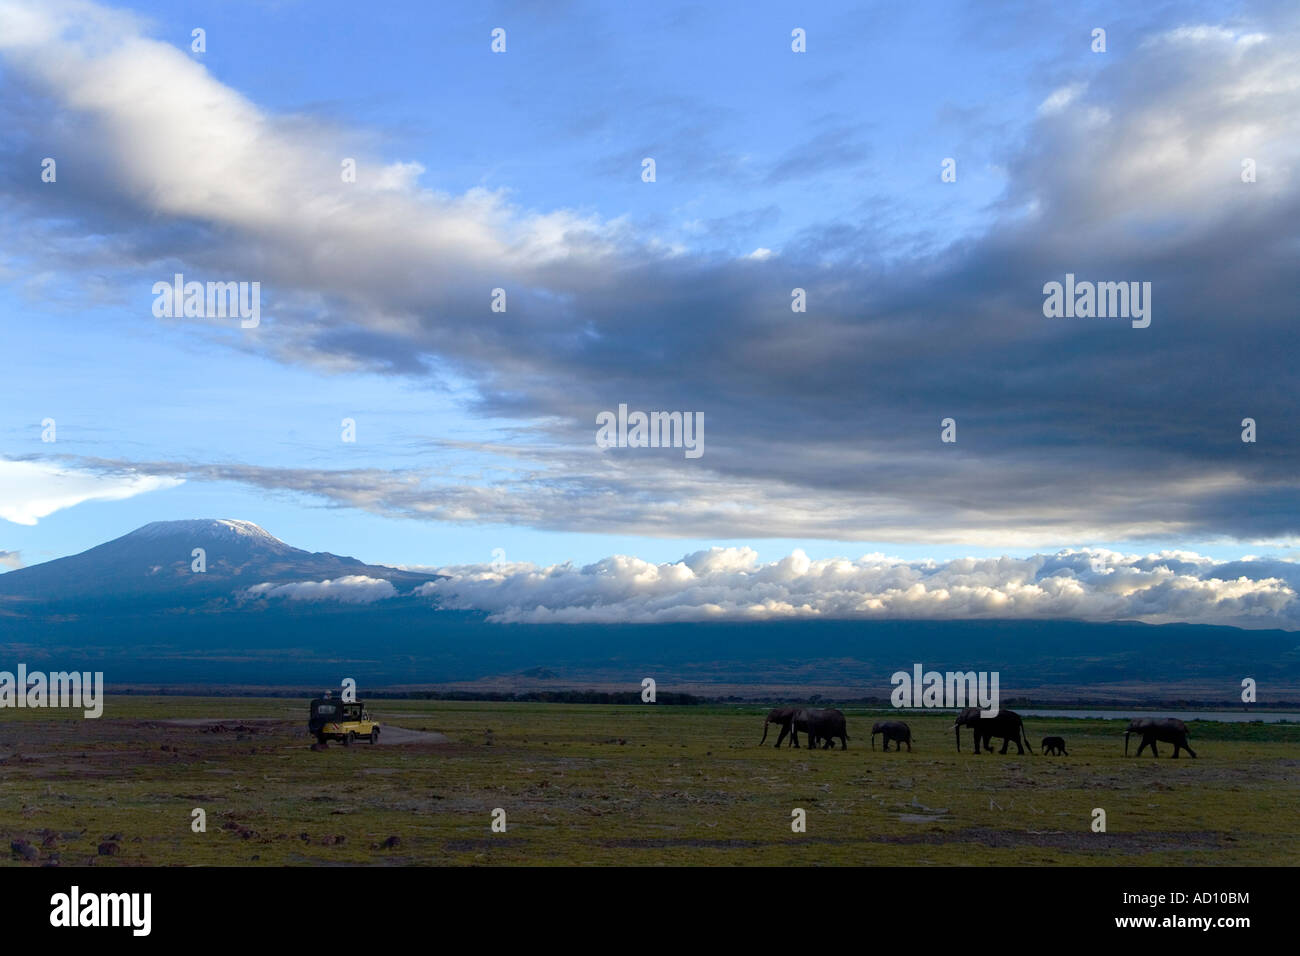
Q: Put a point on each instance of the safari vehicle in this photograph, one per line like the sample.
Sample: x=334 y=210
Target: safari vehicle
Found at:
x=333 y=719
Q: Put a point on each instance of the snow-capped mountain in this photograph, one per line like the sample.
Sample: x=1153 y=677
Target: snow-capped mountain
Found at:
x=159 y=560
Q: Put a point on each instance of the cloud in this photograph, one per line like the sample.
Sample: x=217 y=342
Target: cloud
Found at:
x=823 y=423
x=11 y=559
x=731 y=584
x=1060 y=98
x=31 y=490
x=352 y=589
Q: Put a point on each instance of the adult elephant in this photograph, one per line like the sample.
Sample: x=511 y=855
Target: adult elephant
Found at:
x=783 y=716
x=894 y=730
x=1005 y=724
x=824 y=725
x=1169 y=730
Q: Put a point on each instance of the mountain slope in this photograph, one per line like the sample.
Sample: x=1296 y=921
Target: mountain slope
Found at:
x=153 y=564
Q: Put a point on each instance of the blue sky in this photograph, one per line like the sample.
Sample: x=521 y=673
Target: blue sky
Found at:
x=641 y=292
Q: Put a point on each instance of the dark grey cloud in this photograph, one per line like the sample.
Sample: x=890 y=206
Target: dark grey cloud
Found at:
x=824 y=423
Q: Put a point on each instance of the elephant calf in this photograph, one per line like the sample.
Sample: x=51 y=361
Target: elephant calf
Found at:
x=894 y=730
x=1054 y=746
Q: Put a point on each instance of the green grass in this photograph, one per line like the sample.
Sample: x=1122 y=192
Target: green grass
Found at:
x=634 y=785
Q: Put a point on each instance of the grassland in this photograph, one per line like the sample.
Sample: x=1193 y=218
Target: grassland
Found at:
x=630 y=785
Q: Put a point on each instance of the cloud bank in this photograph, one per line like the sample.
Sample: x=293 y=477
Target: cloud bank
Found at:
x=731 y=584
x=352 y=589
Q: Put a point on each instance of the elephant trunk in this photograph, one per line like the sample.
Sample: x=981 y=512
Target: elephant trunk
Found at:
x=873 y=741
x=956 y=728
x=1126 y=733
x=764 y=740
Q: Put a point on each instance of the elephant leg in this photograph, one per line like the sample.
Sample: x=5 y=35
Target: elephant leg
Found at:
x=780 y=738
x=1142 y=745
x=909 y=745
x=1006 y=742
x=1189 y=749
x=1155 y=751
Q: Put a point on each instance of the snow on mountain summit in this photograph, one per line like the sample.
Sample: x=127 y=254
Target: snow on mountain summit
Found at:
x=223 y=528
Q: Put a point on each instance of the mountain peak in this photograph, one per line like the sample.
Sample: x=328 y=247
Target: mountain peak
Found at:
x=230 y=528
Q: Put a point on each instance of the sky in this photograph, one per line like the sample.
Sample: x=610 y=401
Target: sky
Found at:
x=775 y=170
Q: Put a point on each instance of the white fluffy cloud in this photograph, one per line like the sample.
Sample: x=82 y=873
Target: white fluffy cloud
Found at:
x=352 y=589
x=32 y=490
x=731 y=583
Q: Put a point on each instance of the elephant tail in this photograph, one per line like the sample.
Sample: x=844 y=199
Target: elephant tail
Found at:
x=1025 y=734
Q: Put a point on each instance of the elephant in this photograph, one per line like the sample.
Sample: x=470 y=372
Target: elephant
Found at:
x=785 y=717
x=894 y=730
x=1170 y=730
x=824 y=725
x=1007 y=725
x=1054 y=746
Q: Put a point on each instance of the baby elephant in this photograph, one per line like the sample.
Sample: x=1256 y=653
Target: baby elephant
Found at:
x=894 y=730
x=1054 y=745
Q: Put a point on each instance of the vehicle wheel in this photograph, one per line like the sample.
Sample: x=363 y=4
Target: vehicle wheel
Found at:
x=322 y=740
x=350 y=738
x=374 y=736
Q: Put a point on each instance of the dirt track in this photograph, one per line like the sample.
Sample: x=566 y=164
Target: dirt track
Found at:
x=388 y=734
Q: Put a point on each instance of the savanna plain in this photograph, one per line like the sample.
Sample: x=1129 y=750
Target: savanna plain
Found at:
x=621 y=785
